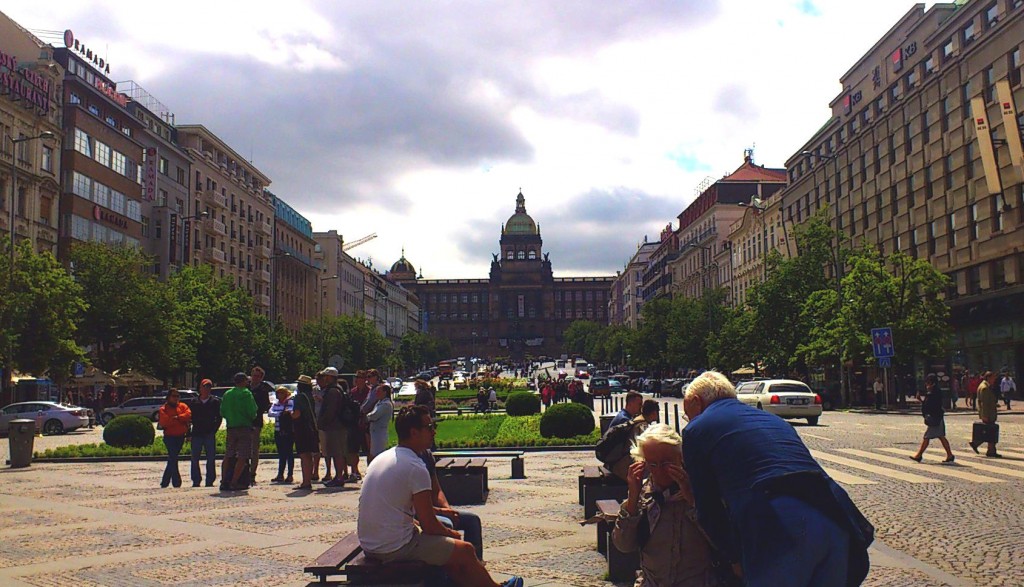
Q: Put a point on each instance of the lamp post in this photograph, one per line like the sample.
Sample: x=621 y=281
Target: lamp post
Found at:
x=838 y=265
x=320 y=287
x=45 y=135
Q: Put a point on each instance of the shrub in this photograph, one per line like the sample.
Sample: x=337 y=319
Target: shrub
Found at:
x=566 y=421
x=522 y=403
x=129 y=431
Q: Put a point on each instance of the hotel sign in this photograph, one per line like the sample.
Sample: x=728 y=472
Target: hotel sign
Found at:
x=109 y=217
x=72 y=43
x=149 y=173
x=25 y=84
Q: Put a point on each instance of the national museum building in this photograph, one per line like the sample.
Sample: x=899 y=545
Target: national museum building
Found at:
x=521 y=309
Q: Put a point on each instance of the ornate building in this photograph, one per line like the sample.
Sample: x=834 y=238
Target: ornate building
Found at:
x=521 y=309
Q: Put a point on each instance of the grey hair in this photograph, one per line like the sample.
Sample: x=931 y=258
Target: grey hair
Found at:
x=711 y=386
x=656 y=432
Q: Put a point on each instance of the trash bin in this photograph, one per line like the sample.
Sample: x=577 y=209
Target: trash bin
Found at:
x=606 y=420
x=22 y=436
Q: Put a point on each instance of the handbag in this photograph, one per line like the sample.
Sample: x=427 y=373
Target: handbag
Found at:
x=932 y=420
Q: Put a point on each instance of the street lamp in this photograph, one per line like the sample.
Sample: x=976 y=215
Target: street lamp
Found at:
x=46 y=136
x=838 y=265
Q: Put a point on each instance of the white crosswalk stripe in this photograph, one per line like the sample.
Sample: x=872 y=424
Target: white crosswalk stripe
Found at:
x=967 y=459
x=935 y=470
x=845 y=478
x=872 y=468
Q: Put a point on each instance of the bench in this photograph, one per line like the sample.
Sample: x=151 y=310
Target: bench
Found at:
x=464 y=481
x=597 y=483
x=518 y=466
x=622 y=566
x=346 y=559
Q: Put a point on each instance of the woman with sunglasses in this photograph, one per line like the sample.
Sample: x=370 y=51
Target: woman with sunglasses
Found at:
x=174 y=419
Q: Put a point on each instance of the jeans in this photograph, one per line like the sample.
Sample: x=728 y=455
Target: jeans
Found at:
x=204 y=442
x=285 y=453
x=171 y=474
x=472 y=531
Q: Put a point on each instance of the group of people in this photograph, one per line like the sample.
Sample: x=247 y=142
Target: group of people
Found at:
x=736 y=499
x=990 y=389
x=967 y=385
x=324 y=420
x=561 y=390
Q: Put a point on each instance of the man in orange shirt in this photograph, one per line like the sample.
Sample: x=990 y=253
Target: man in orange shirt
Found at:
x=174 y=419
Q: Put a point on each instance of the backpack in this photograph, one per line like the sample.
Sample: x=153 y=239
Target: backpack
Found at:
x=348 y=410
x=615 y=444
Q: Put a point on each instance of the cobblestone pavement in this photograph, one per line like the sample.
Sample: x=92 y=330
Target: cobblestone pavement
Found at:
x=110 y=523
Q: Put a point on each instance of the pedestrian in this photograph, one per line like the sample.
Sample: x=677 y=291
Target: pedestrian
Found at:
x=174 y=418
x=261 y=391
x=879 y=392
x=307 y=437
x=934 y=418
x=206 y=422
x=481 y=401
x=334 y=441
x=988 y=404
x=954 y=391
x=763 y=501
x=363 y=393
x=424 y=397
x=284 y=435
x=1007 y=387
x=238 y=408
x=974 y=381
x=318 y=399
x=379 y=419
x=492 y=398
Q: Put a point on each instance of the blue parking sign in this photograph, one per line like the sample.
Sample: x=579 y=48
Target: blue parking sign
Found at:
x=881 y=343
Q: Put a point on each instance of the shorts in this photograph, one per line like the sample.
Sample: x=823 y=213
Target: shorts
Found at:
x=334 y=443
x=306 y=442
x=433 y=550
x=239 y=443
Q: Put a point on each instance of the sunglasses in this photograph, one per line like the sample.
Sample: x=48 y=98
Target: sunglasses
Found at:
x=432 y=426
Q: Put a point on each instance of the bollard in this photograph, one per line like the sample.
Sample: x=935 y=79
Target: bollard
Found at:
x=39 y=424
x=665 y=421
x=518 y=468
x=678 y=429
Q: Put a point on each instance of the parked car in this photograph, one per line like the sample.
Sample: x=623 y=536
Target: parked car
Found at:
x=141 y=406
x=599 y=386
x=785 y=398
x=57 y=418
x=582 y=373
x=614 y=386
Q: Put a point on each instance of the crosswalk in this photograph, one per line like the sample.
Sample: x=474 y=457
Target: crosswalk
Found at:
x=854 y=466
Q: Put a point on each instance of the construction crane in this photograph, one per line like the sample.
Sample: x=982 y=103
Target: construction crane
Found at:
x=358 y=242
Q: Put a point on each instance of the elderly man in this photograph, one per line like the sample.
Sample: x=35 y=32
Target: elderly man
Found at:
x=763 y=500
x=659 y=519
x=988 y=405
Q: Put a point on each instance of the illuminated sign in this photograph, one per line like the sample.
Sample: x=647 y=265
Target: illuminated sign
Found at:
x=24 y=84
x=174 y=239
x=72 y=43
x=109 y=217
x=149 y=173
x=111 y=92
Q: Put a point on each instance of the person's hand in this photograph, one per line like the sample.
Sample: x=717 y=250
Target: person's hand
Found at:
x=453 y=533
x=682 y=479
x=635 y=478
x=450 y=514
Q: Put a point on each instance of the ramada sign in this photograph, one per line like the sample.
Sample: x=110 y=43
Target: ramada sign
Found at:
x=109 y=217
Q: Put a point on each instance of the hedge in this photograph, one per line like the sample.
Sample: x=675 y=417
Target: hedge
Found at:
x=522 y=403
x=567 y=421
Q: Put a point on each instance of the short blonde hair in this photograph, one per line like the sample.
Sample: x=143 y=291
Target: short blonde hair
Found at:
x=656 y=432
x=711 y=386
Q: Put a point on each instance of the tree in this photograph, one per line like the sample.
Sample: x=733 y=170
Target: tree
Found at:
x=581 y=338
x=652 y=336
x=354 y=338
x=418 y=349
x=729 y=348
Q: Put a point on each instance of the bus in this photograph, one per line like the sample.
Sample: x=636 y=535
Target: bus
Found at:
x=445 y=369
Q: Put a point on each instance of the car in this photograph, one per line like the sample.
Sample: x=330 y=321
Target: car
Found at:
x=394 y=382
x=599 y=386
x=785 y=398
x=142 y=406
x=614 y=386
x=56 y=418
x=407 y=389
x=582 y=373
x=603 y=373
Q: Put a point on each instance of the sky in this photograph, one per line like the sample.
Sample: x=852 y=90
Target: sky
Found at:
x=421 y=121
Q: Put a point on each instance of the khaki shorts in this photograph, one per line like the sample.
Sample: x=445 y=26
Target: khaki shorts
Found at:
x=433 y=550
x=239 y=443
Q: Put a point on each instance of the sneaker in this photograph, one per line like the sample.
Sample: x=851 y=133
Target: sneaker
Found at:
x=993 y=455
x=513 y=582
x=315 y=477
x=289 y=479
x=355 y=478
x=335 y=483
x=326 y=479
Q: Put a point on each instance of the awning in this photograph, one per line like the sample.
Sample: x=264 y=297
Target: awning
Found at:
x=129 y=378
x=93 y=376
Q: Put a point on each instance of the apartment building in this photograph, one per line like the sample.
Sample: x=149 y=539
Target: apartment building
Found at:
x=341 y=277
x=295 y=271
x=29 y=106
x=758 y=232
x=235 y=233
x=923 y=154
x=626 y=297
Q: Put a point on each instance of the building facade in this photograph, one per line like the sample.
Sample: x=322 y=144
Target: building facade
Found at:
x=521 y=309
x=341 y=276
x=757 y=233
x=233 y=230
x=295 y=270
x=627 y=291
x=923 y=154
x=657 y=280
x=30 y=105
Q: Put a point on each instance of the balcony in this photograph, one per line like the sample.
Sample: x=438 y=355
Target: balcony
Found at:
x=263 y=301
x=264 y=228
x=214 y=255
x=218 y=200
x=263 y=252
x=263 y=275
x=215 y=226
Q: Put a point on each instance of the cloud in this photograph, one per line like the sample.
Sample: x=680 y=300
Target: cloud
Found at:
x=734 y=100
x=808 y=7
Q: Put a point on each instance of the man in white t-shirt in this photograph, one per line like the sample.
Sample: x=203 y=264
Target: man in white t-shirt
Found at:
x=396 y=493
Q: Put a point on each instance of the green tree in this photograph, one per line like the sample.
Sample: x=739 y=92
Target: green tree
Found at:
x=729 y=348
x=418 y=349
x=581 y=337
x=354 y=338
x=650 y=350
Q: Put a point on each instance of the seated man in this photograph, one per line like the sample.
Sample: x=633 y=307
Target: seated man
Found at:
x=396 y=494
x=467 y=522
x=631 y=410
x=626 y=434
x=659 y=519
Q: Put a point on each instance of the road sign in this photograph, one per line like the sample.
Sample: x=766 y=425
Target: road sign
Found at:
x=336 y=361
x=885 y=362
x=79 y=369
x=881 y=342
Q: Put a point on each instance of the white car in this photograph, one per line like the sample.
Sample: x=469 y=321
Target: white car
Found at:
x=785 y=398
x=56 y=418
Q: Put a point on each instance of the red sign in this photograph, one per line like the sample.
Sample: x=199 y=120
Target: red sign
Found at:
x=149 y=173
x=109 y=217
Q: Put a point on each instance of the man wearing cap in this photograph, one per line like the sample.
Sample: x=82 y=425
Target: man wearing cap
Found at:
x=238 y=408
x=334 y=434
x=261 y=391
x=205 y=423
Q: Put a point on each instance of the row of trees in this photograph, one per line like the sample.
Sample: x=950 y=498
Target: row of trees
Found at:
x=111 y=312
x=792 y=321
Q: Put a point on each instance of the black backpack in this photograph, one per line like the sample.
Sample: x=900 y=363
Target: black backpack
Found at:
x=348 y=410
x=616 y=444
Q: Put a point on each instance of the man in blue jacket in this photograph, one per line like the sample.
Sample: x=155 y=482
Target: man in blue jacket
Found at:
x=766 y=504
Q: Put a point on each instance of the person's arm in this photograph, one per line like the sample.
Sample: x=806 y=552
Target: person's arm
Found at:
x=425 y=515
x=186 y=414
x=711 y=511
x=376 y=413
x=251 y=409
x=166 y=417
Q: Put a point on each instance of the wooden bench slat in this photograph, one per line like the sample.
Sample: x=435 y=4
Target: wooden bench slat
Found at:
x=444 y=462
x=334 y=557
x=459 y=463
x=608 y=507
x=478 y=463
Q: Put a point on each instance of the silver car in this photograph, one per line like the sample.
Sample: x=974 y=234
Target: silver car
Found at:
x=139 y=406
x=56 y=418
x=785 y=398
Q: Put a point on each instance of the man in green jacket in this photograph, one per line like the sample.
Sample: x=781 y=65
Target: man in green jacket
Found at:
x=238 y=408
x=988 y=402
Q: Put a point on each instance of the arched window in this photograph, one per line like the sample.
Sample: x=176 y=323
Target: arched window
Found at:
x=510 y=255
x=533 y=255
x=521 y=255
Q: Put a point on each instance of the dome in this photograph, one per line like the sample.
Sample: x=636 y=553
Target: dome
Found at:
x=403 y=265
x=520 y=222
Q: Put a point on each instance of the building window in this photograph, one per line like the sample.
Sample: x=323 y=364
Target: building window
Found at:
x=932 y=231
x=946 y=106
x=47 y=162
x=998 y=272
x=973 y=279
x=991 y=15
x=511 y=255
x=965 y=98
x=951 y=231
x=969 y=159
x=83 y=143
x=895 y=92
x=102 y=154
x=968 y=33
x=520 y=255
x=947 y=50
x=972 y=221
x=895 y=200
x=1013 y=65
x=145 y=226
x=533 y=255
x=929 y=64
x=998 y=209
x=163 y=166
x=926 y=126
x=989 y=79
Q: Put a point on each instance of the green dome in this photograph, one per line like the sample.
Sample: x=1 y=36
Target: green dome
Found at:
x=520 y=222
x=403 y=265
